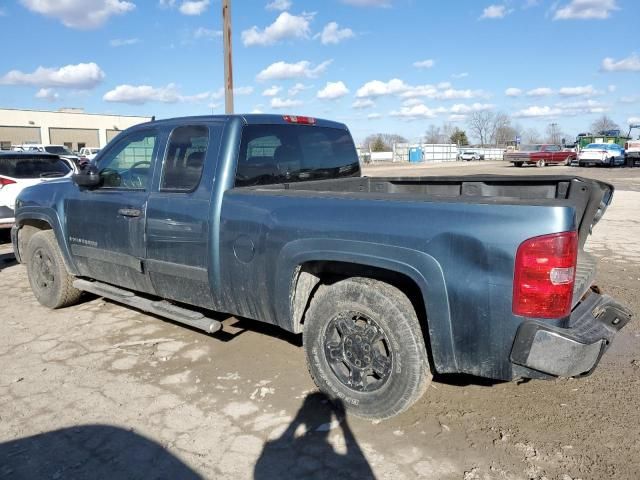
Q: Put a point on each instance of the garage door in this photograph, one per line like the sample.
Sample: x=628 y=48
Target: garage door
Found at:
x=74 y=138
x=18 y=135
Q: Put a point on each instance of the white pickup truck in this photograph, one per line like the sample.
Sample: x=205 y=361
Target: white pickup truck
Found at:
x=632 y=152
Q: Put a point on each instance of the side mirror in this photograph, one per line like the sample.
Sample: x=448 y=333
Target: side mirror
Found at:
x=87 y=178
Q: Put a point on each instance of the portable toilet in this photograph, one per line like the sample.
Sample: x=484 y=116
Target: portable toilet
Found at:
x=415 y=155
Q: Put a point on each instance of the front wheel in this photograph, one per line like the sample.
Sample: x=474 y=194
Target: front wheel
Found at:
x=50 y=282
x=365 y=348
x=541 y=163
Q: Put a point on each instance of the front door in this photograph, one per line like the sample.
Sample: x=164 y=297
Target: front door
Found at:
x=179 y=216
x=106 y=225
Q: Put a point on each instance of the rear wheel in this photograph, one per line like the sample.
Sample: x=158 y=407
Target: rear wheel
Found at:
x=365 y=348
x=50 y=282
x=541 y=163
x=567 y=162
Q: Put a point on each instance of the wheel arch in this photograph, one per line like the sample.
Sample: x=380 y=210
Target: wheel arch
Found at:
x=303 y=265
x=30 y=222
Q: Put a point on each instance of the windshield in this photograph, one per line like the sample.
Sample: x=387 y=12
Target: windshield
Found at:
x=530 y=148
x=27 y=166
x=292 y=153
x=596 y=146
x=57 y=150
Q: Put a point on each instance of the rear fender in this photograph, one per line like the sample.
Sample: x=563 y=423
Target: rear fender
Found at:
x=423 y=269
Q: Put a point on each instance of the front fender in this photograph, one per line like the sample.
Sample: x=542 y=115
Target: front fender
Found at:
x=423 y=269
x=50 y=216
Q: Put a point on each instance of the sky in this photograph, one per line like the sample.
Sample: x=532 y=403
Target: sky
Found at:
x=393 y=66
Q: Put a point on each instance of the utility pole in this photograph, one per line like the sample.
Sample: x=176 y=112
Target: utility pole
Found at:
x=228 y=55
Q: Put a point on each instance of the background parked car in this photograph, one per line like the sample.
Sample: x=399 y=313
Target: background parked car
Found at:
x=59 y=150
x=601 y=154
x=540 y=155
x=469 y=155
x=19 y=170
x=88 y=152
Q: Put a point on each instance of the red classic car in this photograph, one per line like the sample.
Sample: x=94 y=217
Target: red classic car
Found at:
x=540 y=155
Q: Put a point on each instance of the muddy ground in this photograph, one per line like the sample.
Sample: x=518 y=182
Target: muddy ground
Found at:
x=102 y=391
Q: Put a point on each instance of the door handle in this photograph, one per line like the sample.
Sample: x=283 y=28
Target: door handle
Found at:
x=129 y=212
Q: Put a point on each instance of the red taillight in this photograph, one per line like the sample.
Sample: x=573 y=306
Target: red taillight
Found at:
x=544 y=276
x=299 y=120
x=6 y=181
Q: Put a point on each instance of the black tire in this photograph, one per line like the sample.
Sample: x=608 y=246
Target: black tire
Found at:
x=541 y=163
x=518 y=164
x=370 y=321
x=50 y=282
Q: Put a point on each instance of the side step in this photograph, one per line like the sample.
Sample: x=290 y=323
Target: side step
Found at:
x=161 y=308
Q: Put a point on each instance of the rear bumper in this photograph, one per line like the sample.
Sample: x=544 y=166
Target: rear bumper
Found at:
x=574 y=350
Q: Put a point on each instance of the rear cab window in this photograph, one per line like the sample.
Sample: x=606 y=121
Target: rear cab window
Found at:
x=272 y=154
x=185 y=157
x=25 y=166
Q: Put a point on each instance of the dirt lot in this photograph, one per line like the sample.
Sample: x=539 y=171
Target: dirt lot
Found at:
x=101 y=391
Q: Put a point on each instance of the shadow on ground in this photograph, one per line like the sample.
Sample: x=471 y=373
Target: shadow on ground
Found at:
x=7 y=260
x=94 y=452
x=304 y=450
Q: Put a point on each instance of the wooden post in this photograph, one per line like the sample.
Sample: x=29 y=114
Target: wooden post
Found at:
x=228 y=65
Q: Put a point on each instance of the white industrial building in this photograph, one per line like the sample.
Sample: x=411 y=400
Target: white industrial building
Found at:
x=71 y=127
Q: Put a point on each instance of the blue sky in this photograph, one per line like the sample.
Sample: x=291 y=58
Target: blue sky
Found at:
x=392 y=66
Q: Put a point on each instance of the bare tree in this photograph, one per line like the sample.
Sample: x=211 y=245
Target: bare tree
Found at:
x=501 y=131
x=432 y=135
x=382 y=141
x=604 y=123
x=531 y=135
x=554 y=133
x=480 y=124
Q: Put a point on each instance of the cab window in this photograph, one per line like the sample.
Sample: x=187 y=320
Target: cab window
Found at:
x=184 y=161
x=128 y=165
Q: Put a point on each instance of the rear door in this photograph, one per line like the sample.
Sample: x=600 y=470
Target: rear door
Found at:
x=179 y=215
x=106 y=225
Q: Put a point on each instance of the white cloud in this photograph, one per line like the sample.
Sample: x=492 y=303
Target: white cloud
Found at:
x=461 y=108
x=194 y=7
x=333 y=90
x=296 y=89
x=83 y=76
x=141 y=94
x=285 y=26
x=538 y=112
x=585 y=91
x=333 y=34
x=202 y=32
x=586 y=10
x=272 y=91
x=123 y=42
x=424 y=63
x=563 y=109
x=416 y=111
x=630 y=99
x=81 y=14
x=460 y=75
x=368 y=3
x=363 y=103
x=279 y=5
x=540 y=92
x=278 y=102
x=633 y=120
x=454 y=117
x=283 y=70
x=495 y=12
x=442 y=91
x=376 y=88
x=167 y=3
x=47 y=94
x=374 y=116
x=629 y=64
x=513 y=92
x=410 y=102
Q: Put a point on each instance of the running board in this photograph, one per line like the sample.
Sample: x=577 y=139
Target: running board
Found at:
x=161 y=308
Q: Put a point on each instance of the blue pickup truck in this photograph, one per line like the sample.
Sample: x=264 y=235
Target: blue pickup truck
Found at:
x=388 y=280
